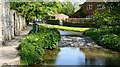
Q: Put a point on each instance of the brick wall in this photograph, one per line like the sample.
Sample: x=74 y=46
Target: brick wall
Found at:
x=90 y=12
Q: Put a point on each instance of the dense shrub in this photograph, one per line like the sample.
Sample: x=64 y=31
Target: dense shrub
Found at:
x=111 y=41
x=30 y=50
x=32 y=47
x=107 y=37
x=82 y=23
x=110 y=16
x=50 y=38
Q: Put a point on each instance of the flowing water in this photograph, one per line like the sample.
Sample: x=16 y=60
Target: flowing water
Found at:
x=71 y=33
x=81 y=56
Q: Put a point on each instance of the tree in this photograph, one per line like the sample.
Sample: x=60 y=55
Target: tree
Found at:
x=31 y=10
x=109 y=16
x=68 y=8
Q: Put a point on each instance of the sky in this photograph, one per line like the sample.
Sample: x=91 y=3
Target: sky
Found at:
x=76 y=3
x=79 y=1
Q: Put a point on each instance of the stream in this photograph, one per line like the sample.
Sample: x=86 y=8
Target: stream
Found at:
x=76 y=49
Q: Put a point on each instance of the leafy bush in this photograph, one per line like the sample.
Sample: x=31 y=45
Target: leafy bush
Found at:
x=111 y=41
x=50 y=38
x=107 y=37
x=109 y=16
x=32 y=47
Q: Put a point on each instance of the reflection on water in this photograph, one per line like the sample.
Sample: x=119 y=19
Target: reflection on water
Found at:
x=70 y=56
x=77 y=56
x=96 y=56
x=80 y=56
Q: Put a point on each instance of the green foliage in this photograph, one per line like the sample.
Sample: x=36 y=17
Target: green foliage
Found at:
x=108 y=21
x=51 y=37
x=111 y=41
x=32 y=47
x=68 y=8
x=109 y=16
x=107 y=37
x=31 y=10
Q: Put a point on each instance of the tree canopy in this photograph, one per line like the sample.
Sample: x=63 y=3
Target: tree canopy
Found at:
x=31 y=10
x=110 y=16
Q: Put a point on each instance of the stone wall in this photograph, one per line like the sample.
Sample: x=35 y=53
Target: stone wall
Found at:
x=11 y=23
x=0 y=23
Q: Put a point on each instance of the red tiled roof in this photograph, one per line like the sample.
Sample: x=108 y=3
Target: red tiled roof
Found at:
x=59 y=16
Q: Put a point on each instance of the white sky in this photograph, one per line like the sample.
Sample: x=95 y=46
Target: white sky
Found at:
x=79 y=1
x=75 y=3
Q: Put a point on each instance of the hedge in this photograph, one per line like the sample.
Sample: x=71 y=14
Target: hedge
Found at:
x=54 y=22
x=72 y=24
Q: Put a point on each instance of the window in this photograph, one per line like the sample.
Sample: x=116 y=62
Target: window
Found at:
x=89 y=7
x=100 y=6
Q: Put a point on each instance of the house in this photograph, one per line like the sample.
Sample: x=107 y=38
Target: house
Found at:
x=88 y=8
x=57 y=16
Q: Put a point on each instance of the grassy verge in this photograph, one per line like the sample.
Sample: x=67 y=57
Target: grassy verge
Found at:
x=65 y=28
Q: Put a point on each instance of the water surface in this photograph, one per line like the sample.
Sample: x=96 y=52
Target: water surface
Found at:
x=81 y=56
x=85 y=56
x=70 y=56
x=70 y=33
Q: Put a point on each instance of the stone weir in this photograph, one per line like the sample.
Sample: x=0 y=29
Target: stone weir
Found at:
x=76 y=39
